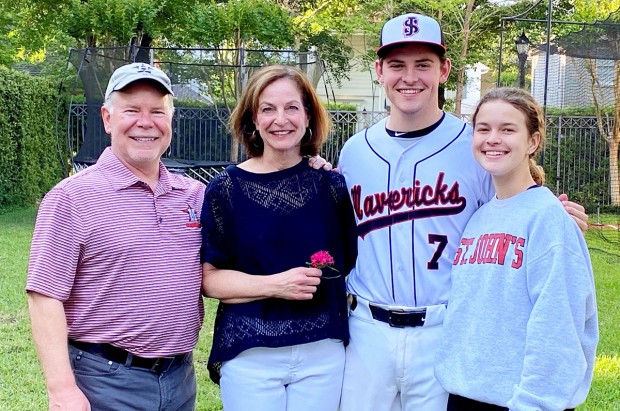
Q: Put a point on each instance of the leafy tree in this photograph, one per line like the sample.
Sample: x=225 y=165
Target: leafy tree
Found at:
x=471 y=26
x=327 y=25
x=308 y=26
x=97 y=23
x=235 y=26
x=232 y=28
x=7 y=46
x=592 y=10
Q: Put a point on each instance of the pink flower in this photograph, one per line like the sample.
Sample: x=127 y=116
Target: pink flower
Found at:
x=322 y=259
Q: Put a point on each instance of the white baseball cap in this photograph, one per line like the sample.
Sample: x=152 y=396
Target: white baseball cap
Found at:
x=127 y=74
x=411 y=28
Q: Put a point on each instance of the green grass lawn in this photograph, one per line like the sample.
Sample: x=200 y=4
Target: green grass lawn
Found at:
x=604 y=245
x=21 y=381
x=22 y=387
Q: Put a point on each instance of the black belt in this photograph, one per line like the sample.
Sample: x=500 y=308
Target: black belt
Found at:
x=398 y=318
x=109 y=352
x=463 y=403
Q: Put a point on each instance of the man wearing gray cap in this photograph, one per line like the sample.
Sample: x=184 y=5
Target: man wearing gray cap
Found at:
x=114 y=275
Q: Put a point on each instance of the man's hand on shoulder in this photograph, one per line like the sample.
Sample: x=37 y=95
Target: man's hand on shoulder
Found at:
x=576 y=211
x=318 y=162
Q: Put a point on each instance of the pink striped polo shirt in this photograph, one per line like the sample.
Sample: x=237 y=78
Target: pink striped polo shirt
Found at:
x=125 y=261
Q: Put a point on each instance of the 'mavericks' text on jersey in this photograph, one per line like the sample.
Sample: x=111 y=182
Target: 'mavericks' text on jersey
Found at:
x=406 y=203
x=393 y=205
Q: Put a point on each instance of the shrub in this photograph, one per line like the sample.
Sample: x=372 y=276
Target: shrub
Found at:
x=29 y=158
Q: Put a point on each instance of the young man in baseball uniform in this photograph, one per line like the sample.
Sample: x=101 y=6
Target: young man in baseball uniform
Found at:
x=414 y=184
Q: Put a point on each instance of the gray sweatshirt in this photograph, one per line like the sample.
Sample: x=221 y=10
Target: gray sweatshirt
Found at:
x=521 y=327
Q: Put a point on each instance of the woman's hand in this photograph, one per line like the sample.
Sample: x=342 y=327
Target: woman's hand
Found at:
x=298 y=283
x=236 y=287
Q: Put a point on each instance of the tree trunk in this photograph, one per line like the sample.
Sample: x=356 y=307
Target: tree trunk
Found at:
x=460 y=78
x=458 y=104
x=94 y=74
x=614 y=177
x=143 y=54
x=239 y=85
x=614 y=141
x=611 y=137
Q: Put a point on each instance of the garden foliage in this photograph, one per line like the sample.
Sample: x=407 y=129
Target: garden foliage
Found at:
x=29 y=158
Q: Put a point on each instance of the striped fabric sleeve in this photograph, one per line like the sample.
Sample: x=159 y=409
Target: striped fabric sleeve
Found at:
x=56 y=246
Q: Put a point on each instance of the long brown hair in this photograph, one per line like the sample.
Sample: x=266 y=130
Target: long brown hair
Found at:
x=534 y=119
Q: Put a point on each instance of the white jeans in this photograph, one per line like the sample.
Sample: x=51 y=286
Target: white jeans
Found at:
x=389 y=368
x=296 y=378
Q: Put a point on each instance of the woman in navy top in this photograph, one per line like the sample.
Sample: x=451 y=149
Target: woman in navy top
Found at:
x=281 y=325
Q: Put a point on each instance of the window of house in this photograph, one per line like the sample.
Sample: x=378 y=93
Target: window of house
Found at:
x=605 y=72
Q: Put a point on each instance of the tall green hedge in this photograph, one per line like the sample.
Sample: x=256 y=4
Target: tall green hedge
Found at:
x=29 y=160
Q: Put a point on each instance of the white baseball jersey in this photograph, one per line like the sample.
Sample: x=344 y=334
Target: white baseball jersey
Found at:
x=411 y=201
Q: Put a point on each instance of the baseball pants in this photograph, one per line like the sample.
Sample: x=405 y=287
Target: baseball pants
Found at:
x=391 y=368
x=304 y=377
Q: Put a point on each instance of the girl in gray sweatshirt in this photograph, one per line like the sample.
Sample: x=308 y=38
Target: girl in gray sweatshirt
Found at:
x=521 y=328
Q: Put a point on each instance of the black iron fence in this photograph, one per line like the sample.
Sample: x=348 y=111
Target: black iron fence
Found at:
x=575 y=158
x=201 y=139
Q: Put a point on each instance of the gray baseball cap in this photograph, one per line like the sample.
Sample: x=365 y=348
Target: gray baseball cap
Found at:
x=127 y=74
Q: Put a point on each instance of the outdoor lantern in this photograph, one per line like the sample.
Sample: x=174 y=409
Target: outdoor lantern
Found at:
x=522 y=43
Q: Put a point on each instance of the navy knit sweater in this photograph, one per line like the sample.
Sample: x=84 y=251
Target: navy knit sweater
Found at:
x=264 y=224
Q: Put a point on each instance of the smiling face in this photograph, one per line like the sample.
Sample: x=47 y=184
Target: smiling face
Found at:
x=139 y=121
x=411 y=75
x=503 y=144
x=281 y=118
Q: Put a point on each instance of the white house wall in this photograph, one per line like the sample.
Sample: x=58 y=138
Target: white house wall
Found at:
x=554 y=81
x=568 y=83
x=362 y=88
x=472 y=89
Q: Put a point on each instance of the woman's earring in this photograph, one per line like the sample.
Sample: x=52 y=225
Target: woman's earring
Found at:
x=254 y=139
x=308 y=134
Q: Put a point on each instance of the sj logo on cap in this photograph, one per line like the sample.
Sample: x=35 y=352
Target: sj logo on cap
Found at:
x=410 y=26
x=143 y=68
